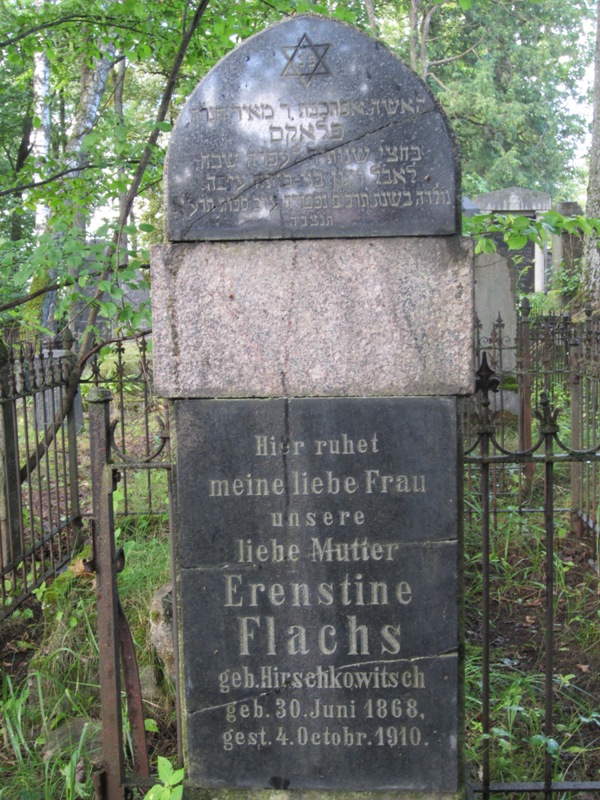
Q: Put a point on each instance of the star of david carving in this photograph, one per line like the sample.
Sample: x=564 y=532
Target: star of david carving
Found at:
x=305 y=60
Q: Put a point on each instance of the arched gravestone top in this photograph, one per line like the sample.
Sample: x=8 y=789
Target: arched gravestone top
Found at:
x=311 y=129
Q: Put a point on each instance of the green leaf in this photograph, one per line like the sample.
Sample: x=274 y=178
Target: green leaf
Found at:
x=485 y=246
x=143 y=51
x=516 y=241
x=116 y=292
x=103 y=230
x=109 y=309
x=465 y=4
x=177 y=793
x=154 y=793
x=150 y=725
x=520 y=223
x=177 y=777
x=165 y=769
x=164 y=126
x=144 y=226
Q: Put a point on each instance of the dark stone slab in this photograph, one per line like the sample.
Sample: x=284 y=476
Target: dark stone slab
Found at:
x=318 y=556
x=311 y=129
x=347 y=746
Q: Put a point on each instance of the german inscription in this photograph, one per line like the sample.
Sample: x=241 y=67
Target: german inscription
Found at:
x=310 y=129
x=318 y=553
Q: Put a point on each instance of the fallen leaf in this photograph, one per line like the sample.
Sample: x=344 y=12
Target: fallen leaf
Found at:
x=583 y=667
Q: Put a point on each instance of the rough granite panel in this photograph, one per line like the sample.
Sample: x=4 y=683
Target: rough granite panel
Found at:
x=314 y=318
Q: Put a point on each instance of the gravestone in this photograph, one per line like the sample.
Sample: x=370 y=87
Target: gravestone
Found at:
x=530 y=266
x=496 y=299
x=310 y=129
x=314 y=382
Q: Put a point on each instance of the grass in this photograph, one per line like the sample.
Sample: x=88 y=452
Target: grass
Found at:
x=518 y=744
x=49 y=725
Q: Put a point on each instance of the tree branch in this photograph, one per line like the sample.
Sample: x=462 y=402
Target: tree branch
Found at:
x=21 y=301
x=438 y=81
x=454 y=58
x=86 y=342
x=42 y=27
x=57 y=175
x=53 y=287
x=34 y=184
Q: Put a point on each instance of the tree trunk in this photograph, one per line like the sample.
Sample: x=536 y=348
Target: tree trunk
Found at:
x=40 y=141
x=591 y=247
x=413 y=34
x=16 y=226
x=91 y=89
x=372 y=18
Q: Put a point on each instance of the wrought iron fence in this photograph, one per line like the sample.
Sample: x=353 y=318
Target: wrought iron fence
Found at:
x=40 y=517
x=140 y=426
x=45 y=496
x=532 y=604
x=557 y=357
x=525 y=461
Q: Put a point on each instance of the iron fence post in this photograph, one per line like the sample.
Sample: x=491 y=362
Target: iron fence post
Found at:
x=10 y=501
x=525 y=394
x=576 y=385
x=104 y=564
x=75 y=509
x=549 y=428
x=487 y=381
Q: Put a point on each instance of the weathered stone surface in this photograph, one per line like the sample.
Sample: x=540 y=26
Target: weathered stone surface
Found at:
x=311 y=129
x=161 y=628
x=513 y=199
x=496 y=296
x=313 y=318
x=320 y=538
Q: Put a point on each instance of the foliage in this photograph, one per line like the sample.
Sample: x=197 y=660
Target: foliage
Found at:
x=84 y=180
x=171 y=787
x=518 y=742
x=505 y=74
x=49 y=727
x=516 y=231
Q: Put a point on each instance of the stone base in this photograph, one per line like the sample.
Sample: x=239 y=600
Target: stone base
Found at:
x=197 y=793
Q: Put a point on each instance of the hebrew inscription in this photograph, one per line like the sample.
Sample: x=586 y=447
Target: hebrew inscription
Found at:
x=318 y=555
x=310 y=129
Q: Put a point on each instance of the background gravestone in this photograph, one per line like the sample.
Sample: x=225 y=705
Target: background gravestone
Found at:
x=530 y=264
x=318 y=535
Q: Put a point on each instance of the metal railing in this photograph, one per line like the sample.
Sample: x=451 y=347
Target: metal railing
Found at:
x=45 y=457
x=559 y=358
x=40 y=517
x=516 y=448
x=520 y=547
